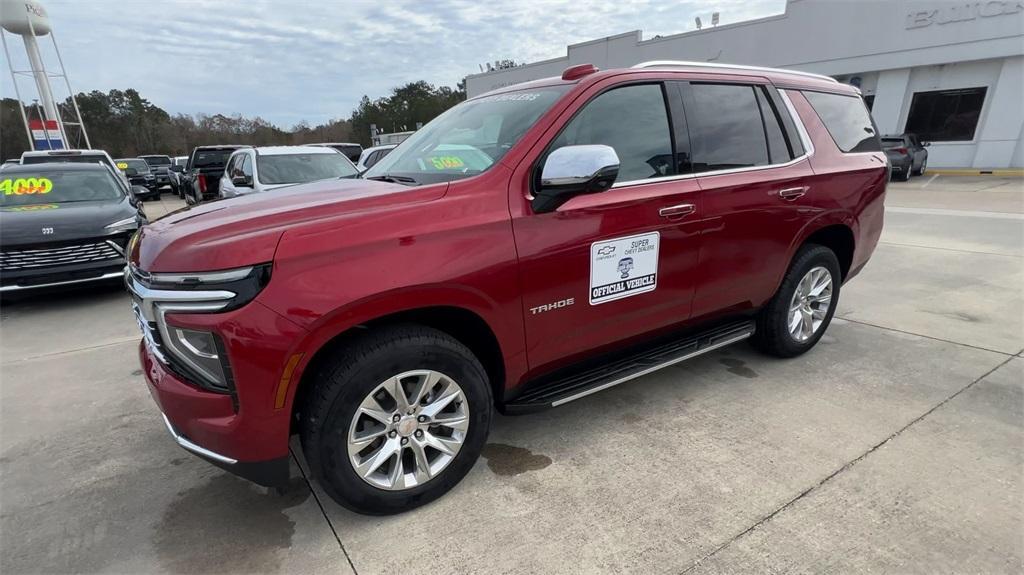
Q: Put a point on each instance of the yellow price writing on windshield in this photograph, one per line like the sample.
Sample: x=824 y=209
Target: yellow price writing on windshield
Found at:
x=122 y=165
x=443 y=162
x=23 y=186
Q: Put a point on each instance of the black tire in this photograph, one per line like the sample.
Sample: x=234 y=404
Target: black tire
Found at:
x=905 y=174
x=772 y=335
x=344 y=380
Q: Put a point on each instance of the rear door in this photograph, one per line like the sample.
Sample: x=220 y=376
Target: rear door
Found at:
x=609 y=266
x=752 y=171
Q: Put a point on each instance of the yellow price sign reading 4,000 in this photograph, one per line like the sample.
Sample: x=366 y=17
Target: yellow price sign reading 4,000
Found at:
x=23 y=186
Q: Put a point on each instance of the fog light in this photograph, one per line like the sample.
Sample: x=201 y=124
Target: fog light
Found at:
x=200 y=351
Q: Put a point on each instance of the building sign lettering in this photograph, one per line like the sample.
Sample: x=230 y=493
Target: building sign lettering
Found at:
x=962 y=12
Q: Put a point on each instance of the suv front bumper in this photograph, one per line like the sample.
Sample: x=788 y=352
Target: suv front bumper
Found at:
x=206 y=424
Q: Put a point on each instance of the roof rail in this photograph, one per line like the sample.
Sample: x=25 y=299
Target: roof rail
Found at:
x=683 y=63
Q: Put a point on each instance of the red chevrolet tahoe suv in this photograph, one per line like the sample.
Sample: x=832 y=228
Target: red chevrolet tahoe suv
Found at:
x=526 y=248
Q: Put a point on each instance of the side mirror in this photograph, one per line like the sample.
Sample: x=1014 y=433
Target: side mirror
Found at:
x=573 y=170
x=177 y=168
x=131 y=172
x=925 y=144
x=137 y=192
x=241 y=181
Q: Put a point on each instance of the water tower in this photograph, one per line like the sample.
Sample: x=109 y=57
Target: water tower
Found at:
x=47 y=130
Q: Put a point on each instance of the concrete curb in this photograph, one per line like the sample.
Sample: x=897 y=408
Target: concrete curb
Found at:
x=1003 y=172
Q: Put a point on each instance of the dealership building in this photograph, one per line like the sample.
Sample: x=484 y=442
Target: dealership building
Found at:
x=951 y=72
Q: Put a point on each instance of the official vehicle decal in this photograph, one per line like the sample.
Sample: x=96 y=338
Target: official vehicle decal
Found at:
x=623 y=267
x=22 y=186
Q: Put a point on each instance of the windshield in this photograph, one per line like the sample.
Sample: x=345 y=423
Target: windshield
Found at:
x=467 y=139
x=125 y=163
x=302 y=168
x=211 y=158
x=158 y=160
x=59 y=187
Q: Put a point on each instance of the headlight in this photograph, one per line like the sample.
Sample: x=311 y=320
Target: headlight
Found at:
x=123 y=225
x=202 y=352
x=197 y=354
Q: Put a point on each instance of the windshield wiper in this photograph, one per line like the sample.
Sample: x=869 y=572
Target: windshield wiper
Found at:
x=393 y=179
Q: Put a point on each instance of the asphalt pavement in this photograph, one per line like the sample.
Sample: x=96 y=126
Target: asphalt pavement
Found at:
x=896 y=445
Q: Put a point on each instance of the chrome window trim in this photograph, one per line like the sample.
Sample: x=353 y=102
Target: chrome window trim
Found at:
x=805 y=138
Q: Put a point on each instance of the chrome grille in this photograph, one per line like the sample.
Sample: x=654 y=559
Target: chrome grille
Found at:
x=17 y=260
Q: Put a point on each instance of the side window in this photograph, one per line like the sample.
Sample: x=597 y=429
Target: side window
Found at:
x=231 y=168
x=246 y=168
x=726 y=130
x=372 y=158
x=634 y=121
x=847 y=121
x=778 y=148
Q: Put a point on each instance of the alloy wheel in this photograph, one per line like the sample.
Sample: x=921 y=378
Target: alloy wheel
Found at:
x=810 y=303
x=408 y=430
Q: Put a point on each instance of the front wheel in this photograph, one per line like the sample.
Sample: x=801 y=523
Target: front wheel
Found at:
x=397 y=419
x=796 y=318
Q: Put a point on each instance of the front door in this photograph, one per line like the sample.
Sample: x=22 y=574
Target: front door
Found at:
x=609 y=266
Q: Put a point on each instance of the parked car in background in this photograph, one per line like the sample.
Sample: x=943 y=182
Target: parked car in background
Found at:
x=350 y=150
x=178 y=164
x=252 y=170
x=71 y=156
x=201 y=178
x=64 y=224
x=139 y=173
x=907 y=155
x=161 y=167
x=371 y=156
x=603 y=226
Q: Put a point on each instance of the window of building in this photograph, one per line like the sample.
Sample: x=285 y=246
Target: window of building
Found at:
x=726 y=130
x=847 y=121
x=946 y=115
x=634 y=121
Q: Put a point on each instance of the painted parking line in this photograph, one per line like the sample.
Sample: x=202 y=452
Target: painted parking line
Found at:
x=957 y=213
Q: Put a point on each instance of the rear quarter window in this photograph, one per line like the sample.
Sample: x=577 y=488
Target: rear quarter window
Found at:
x=847 y=121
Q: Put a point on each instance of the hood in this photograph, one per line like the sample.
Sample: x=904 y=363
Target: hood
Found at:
x=245 y=230
x=23 y=225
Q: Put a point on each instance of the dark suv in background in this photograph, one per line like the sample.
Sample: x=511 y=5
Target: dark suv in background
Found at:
x=201 y=179
x=907 y=155
x=161 y=166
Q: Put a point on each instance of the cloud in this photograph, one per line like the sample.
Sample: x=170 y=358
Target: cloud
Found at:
x=292 y=60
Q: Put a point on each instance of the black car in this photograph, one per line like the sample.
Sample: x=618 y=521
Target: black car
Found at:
x=139 y=174
x=161 y=166
x=907 y=155
x=64 y=225
x=201 y=179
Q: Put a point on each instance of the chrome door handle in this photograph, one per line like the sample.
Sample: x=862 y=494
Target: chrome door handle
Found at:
x=680 y=210
x=790 y=194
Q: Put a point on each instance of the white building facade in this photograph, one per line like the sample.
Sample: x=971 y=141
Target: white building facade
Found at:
x=950 y=71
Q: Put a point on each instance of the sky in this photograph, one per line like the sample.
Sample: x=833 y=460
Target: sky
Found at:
x=287 y=61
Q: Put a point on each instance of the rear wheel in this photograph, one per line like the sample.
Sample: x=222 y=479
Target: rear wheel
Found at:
x=396 y=420
x=796 y=318
x=924 y=165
